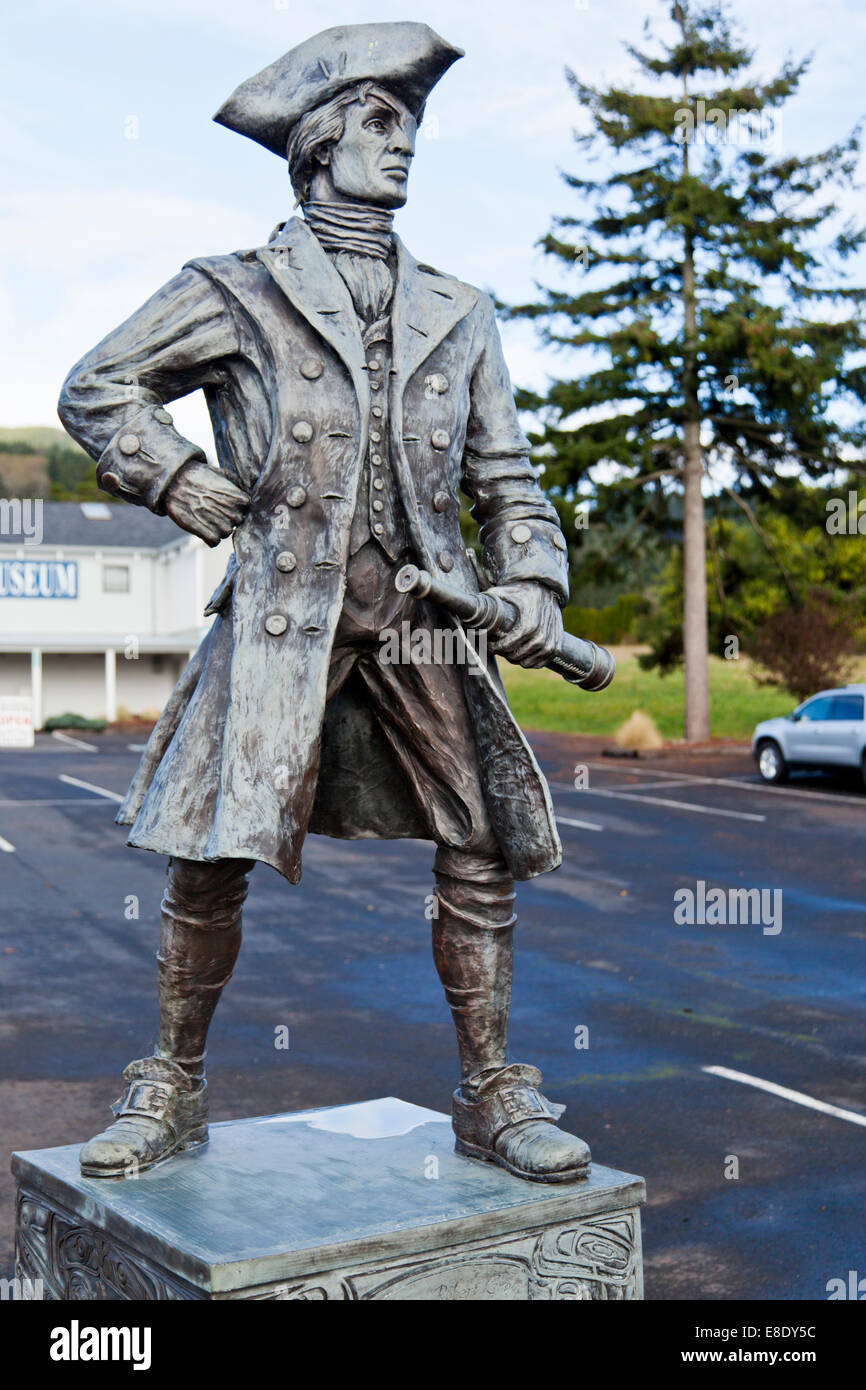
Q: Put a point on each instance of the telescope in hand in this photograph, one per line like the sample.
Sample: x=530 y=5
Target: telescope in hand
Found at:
x=579 y=662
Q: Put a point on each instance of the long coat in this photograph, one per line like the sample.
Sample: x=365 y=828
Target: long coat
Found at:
x=271 y=335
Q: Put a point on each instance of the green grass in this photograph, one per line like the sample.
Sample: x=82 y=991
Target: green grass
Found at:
x=541 y=700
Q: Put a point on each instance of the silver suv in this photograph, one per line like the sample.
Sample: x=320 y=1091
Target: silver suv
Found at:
x=827 y=731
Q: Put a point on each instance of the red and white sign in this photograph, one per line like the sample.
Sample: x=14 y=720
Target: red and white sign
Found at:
x=16 y=721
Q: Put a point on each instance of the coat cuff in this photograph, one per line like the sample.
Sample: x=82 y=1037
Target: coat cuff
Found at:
x=528 y=551
x=142 y=460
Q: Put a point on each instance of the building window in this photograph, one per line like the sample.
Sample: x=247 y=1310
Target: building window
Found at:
x=115 y=579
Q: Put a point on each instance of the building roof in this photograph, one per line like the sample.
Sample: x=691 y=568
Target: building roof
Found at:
x=101 y=525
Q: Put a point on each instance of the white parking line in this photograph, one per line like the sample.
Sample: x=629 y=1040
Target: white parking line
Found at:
x=73 y=742
x=53 y=801
x=6 y=847
x=760 y=787
x=579 y=824
x=661 y=801
x=797 y=1096
x=89 y=787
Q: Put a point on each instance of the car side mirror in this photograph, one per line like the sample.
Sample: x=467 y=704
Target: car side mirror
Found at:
x=795 y=716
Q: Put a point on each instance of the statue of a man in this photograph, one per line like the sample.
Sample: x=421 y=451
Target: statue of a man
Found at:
x=352 y=392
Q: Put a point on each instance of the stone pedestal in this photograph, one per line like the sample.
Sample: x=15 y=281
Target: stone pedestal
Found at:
x=361 y=1201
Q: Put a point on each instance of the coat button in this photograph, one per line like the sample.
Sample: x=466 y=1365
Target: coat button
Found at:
x=286 y=561
x=435 y=385
x=302 y=431
x=311 y=368
x=559 y=541
x=162 y=416
x=521 y=534
x=296 y=496
x=446 y=560
x=440 y=439
x=440 y=501
x=129 y=443
x=276 y=624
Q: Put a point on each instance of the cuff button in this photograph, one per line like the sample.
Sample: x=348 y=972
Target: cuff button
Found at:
x=129 y=443
x=162 y=416
x=521 y=534
x=559 y=541
x=276 y=624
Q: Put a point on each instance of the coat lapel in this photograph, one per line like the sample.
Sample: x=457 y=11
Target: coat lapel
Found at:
x=425 y=309
x=308 y=279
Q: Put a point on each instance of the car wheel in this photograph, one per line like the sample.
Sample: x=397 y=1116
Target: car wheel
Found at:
x=771 y=763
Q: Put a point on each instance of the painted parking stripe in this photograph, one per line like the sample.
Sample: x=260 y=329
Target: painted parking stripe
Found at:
x=6 y=847
x=53 y=801
x=786 y=1094
x=73 y=742
x=665 y=801
x=89 y=787
x=579 y=824
x=762 y=788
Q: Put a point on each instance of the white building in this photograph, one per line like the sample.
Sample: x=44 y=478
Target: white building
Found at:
x=101 y=606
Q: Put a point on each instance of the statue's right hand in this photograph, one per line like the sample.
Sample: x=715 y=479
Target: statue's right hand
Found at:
x=205 y=502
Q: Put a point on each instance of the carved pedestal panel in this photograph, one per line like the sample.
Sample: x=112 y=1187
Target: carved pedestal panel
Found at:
x=358 y=1202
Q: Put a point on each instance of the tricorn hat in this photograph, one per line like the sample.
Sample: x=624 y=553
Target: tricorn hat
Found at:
x=406 y=58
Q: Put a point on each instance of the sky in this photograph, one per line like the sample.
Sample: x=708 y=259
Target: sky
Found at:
x=113 y=173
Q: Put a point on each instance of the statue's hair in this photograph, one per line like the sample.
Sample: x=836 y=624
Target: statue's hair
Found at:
x=324 y=126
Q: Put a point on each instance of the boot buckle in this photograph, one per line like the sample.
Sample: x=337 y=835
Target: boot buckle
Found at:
x=150 y=1098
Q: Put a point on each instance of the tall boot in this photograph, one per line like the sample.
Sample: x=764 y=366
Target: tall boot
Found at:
x=499 y=1114
x=164 y=1108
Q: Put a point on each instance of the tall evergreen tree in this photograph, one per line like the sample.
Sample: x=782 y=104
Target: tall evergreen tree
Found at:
x=715 y=291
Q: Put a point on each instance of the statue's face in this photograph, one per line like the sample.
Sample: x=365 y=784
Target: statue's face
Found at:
x=370 y=163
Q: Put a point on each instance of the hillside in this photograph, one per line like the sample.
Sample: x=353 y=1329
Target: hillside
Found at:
x=42 y=461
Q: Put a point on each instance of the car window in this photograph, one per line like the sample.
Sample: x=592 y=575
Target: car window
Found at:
x=847 y=707
x=818 y=709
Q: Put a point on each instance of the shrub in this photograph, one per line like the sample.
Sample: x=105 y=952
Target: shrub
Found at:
x=809 y=646
x=74 y=721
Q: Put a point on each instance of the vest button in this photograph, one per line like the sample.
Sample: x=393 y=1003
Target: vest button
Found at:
x=377 y=483
x=296 y=496
x=377 y=411
x=286 y=561
x=435 y=385
x=446 y=560
x=521 y=534
x=378 y=506
x=311 y=368
x=440 y=501
x=302 y=431
x=378 y=528
x=440 y=439
x=276 y=624
x=129 y=443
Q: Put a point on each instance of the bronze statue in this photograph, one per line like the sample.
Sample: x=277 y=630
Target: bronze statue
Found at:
x=352 y=392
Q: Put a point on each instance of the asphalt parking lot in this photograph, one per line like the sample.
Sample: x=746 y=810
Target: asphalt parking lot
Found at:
x=344 y=962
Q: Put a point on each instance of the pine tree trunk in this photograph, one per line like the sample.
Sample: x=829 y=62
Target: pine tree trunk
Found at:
x=695 y=640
